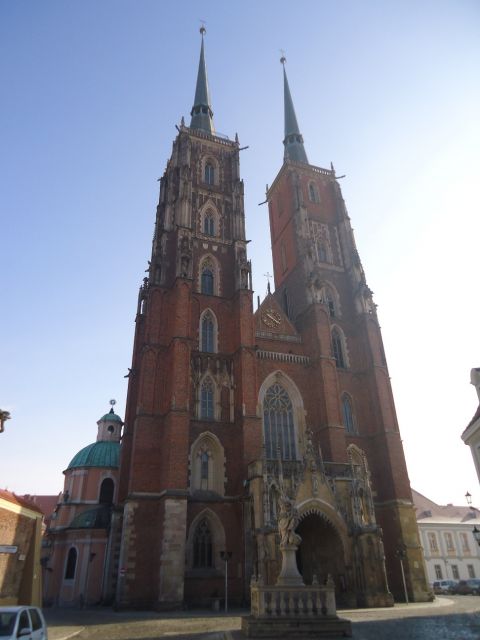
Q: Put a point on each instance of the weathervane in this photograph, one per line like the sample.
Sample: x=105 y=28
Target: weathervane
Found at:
x=203 y=31
x=112 y=402
x=283 y=58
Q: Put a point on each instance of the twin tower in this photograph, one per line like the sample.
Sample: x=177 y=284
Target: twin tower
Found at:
x=229 y=409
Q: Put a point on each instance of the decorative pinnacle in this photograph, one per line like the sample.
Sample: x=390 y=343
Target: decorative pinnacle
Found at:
x=203 y=31
x=283 y=58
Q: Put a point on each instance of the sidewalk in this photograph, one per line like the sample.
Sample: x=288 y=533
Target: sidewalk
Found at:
x=105 y=624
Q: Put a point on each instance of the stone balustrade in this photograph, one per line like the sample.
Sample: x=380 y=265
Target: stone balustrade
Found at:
x=268 y=601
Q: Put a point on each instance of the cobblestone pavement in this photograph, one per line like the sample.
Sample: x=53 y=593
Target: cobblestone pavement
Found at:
x=452 y=618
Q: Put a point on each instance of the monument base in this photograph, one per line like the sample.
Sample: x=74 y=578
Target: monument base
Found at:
x=286 y=627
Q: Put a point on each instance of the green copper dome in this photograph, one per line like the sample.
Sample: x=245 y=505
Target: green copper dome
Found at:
x=98 y=454
x=111 y=417
x=98 y=518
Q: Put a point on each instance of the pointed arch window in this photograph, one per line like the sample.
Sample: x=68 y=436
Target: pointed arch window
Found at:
x=209 y=173
x=207 y=280
x=71 y=564
x=202 y=546
x=208 y=333
x=330 y=302
x=312 y=193
x=337 y=349
x=279 y=429
x=207 y=396
x=347 y=413
x=209 y=224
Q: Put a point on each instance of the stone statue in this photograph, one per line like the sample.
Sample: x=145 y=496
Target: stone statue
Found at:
x=287 y=522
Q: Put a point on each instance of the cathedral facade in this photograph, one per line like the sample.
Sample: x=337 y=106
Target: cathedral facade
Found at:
x=231 y=410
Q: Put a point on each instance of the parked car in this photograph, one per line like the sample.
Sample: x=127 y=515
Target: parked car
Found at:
x=467 y=587
x=22 y=622
x=444 y=586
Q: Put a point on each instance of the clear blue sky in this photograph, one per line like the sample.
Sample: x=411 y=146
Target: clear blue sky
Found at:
x=91 y=91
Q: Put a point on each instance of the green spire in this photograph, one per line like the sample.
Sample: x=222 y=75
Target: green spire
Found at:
x=202 y=114
x=293 y=142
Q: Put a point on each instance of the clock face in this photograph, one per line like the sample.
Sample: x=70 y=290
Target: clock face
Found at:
x=271 y=318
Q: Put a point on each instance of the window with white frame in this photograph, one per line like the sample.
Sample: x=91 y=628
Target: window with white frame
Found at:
x=438 y=572
x=432 y=542
x=449 y=542
x=455 y=573
x=471 y=571
x=464 y=541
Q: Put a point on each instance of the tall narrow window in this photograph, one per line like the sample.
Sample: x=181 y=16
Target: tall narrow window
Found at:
x=202 y=546
x=432 y=541
x=209 y=224
x=465 y=545
x=209 y=173
x=207 y=280
x=206 y=400
x=208 y=333
x=438 y=572
x=471 y=571
x=279 y=429
x=71 y=564
x=312 y=193
x=204 y=462
x=337 y=349
x=449 y=542
x=285 y=303
x=347 y=411
x=329 y=301
x=455 y=573
x=106 y=491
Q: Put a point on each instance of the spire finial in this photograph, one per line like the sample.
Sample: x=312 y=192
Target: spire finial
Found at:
x=283 y=58
x=202 y=114
x=293 y=141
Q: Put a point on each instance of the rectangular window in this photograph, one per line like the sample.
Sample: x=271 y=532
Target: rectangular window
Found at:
x=449 y=542
x=438 y=572
x=471 y=571
x=455 y=573
x=432 y=541
x=465 y=545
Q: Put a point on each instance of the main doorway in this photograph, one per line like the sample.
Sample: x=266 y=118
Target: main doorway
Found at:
x=321 y=553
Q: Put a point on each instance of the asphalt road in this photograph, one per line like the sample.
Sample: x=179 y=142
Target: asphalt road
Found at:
x=448 y=618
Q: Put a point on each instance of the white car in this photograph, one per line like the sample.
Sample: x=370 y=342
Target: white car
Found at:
x=22 y=622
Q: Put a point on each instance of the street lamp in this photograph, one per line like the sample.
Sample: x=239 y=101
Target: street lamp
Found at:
x=476 y=534
x=225 y=556
x=468 y=498
x=401 y=554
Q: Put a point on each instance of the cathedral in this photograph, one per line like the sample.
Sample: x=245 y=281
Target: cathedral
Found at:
x=230 y=411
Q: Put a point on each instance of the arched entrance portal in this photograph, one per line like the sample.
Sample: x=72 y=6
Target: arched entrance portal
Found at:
x=321 y=553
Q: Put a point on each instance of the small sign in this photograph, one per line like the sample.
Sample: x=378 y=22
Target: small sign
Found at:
x=8 y=548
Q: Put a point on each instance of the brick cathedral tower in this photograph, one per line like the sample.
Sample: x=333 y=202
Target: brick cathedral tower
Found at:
x=231 y=411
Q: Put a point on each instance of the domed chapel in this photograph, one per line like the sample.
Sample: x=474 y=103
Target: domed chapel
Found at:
x=231 y=411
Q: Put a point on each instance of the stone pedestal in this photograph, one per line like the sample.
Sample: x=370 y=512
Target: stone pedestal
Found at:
x=289 y=574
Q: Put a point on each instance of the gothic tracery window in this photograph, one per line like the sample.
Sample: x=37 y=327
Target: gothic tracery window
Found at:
x=209 y=173
x=209 y=224
x=202 y=546
x=208 y=333
x=347 y=413
x=278 y=424
x=337 y=349
x=207 y=280
x=207 y=396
